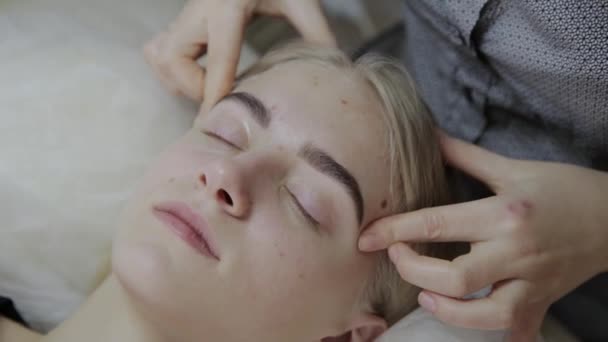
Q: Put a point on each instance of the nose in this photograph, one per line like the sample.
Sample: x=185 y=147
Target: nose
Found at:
x=225 y=181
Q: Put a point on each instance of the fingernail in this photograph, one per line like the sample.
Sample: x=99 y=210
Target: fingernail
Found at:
x=427 y=302
x=394 y=252
x=369 y=242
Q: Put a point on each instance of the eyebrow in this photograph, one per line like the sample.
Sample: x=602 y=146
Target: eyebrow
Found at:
x=316 y=157
x=254 y=106
x=323 y=162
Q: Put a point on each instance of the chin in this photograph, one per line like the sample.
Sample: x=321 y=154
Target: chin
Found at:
x=142 y=269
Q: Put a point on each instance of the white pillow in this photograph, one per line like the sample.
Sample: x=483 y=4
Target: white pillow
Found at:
x=81 y=116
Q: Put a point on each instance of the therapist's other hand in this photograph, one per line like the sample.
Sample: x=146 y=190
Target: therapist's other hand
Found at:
x=216 y=27
x=544 y=233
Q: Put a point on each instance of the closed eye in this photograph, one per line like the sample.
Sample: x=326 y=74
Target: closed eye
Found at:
x=222 y=139
x=311 y=220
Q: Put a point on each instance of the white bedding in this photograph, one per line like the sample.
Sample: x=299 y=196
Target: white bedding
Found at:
x=81 y=115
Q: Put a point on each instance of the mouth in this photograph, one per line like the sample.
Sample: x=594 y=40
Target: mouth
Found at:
x=189 y=226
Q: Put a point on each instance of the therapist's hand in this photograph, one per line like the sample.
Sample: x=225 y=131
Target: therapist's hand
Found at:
x=544 y=233
x=216 y=27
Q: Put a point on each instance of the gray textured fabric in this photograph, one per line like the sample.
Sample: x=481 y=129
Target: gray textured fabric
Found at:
x=525 y=78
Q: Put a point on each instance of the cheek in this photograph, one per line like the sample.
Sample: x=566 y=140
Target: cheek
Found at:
x=289 y=266
x=178 y=161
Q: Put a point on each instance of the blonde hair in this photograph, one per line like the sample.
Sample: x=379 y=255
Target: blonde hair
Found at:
x=416 y=171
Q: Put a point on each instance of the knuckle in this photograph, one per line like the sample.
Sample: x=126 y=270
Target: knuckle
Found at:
x=433 y=225
x=519 y=213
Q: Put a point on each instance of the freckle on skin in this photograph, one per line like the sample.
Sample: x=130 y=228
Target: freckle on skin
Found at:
x=171 y=180
x=301 y=275
x=344 y=102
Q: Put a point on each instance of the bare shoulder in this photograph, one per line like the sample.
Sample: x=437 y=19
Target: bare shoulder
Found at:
x=13 y=332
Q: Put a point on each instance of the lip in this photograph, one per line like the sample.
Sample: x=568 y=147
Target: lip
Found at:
x=187 y=225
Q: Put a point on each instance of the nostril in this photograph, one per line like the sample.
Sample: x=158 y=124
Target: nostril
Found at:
x=224 y=197
x=203 y=179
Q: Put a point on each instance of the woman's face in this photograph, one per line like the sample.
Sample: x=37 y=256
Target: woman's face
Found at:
x=279 y=178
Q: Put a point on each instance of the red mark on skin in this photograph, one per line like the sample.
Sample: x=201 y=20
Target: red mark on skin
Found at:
x=521 y=208
x=281 y=254
x=383 y=204
x=203 y=179
x=344 y=102
x=273 y=108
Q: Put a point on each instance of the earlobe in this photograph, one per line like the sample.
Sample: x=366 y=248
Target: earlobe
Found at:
x=368 y=328
x=364 y=328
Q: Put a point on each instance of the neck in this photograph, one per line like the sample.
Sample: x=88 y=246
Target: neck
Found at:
x=108 y=315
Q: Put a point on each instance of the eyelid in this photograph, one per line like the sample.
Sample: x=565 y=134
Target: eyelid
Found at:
x=222 y=139
x=303 y=211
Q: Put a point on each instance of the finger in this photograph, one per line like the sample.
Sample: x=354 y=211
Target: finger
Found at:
x=225 y=40
x=181 y=71
x=496 y=312
x=180 y=49
x=160 y=67
x=188 y=77
x=469 y=221
x=468 y=273
x=478 y=162
x=308 y=18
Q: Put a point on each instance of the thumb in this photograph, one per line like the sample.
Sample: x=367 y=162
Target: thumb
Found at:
x=488 y=167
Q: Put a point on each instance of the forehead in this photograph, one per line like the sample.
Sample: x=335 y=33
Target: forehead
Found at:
x=337 y=111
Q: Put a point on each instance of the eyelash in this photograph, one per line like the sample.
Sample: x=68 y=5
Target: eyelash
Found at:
x=303 y=211
x=221 y=139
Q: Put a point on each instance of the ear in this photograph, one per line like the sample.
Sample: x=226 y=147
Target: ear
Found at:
x=363 y=328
